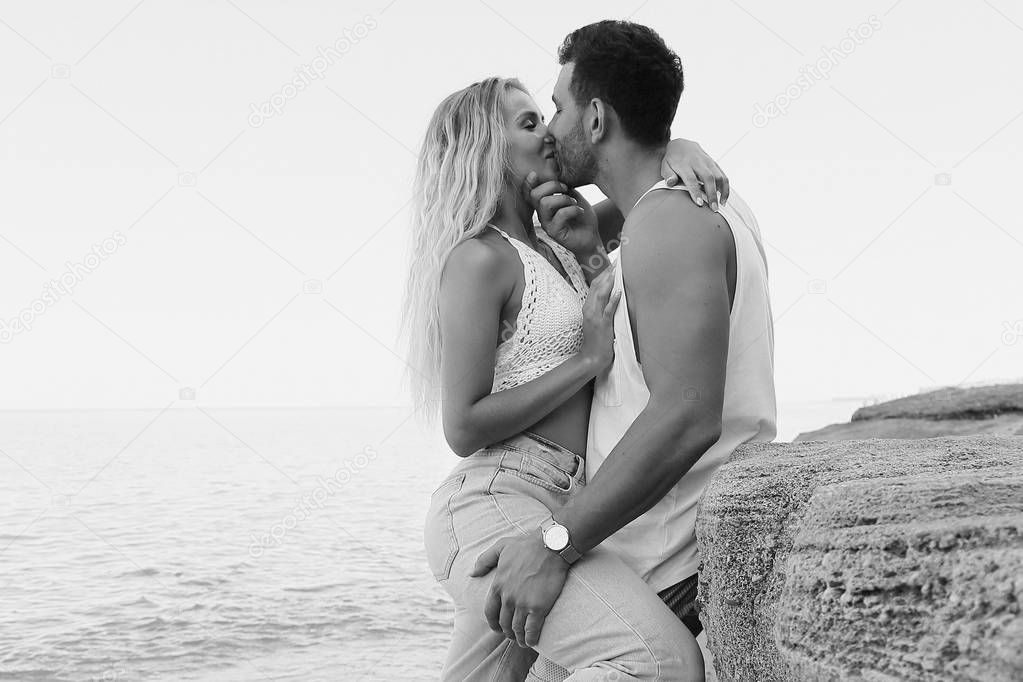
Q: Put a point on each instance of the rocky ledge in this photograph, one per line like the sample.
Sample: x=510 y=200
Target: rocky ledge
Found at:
x=867 y=559
x=994 y=410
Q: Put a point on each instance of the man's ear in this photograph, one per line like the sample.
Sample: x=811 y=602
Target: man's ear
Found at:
x=598 y=123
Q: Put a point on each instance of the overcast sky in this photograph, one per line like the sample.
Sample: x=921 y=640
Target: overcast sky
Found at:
x=257 y=256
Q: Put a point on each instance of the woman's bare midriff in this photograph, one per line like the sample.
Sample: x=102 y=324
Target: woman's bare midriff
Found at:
x=568 y=424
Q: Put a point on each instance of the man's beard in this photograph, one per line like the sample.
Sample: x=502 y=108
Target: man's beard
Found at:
x=576 y=161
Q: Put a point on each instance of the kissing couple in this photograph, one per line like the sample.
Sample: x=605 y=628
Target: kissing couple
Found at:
x=593 y=366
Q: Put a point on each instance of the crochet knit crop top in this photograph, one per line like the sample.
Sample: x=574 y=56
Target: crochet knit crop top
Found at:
x=549 y=327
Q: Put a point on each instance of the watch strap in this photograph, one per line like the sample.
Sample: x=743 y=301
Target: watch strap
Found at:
x=570 y=553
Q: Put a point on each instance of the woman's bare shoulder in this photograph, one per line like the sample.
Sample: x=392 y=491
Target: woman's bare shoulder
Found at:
x=484 y=260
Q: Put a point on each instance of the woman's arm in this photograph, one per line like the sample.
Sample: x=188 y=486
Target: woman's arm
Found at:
x=685 y=161
x=609 y=224
x=475 y=285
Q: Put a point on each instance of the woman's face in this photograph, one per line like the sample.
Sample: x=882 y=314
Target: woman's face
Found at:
x=530 y=148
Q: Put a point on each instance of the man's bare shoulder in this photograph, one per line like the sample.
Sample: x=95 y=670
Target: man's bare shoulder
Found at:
x=667 y=224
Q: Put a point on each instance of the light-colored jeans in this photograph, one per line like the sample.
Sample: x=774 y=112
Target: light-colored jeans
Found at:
x=608 y=624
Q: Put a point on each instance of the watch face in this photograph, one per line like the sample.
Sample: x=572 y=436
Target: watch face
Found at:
x=556 y=538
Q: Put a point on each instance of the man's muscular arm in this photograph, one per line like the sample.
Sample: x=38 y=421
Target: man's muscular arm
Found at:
x=675 y=272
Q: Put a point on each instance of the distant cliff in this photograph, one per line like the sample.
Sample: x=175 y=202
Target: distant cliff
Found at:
x=991 y=410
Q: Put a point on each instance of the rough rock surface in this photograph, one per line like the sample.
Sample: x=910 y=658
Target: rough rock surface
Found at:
x=869 y=560
x=995 y=410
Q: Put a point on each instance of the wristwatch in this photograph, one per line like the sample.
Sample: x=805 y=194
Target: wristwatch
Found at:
x=555 y=538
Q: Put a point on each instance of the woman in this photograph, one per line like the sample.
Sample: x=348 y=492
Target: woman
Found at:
x=506 y=335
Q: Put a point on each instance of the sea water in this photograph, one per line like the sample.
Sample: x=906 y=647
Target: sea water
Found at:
x=227 y=544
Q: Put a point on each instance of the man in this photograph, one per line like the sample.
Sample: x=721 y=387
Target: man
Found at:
x=692 y=377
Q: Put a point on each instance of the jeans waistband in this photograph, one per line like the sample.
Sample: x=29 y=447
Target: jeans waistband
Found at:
x=535 y=445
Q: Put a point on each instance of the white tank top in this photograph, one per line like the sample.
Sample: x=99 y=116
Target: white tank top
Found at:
x=661 y=544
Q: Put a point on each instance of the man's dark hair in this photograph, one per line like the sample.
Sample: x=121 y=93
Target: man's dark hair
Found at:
x=629 y=67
